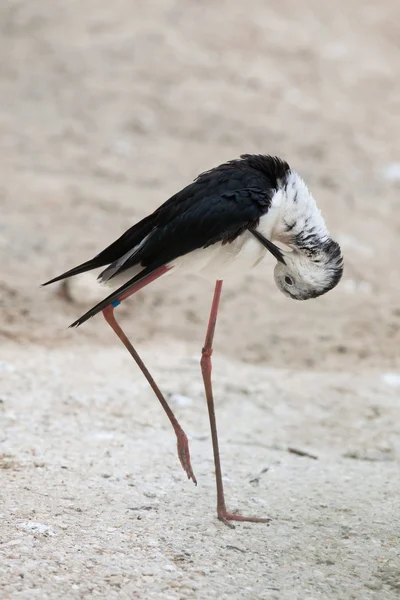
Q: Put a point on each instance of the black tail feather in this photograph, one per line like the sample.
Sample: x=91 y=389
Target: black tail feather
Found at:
x=86 y=266
x=114 y=296
x=114 y=251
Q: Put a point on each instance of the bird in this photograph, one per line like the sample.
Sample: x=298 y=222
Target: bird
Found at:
x=220 y=226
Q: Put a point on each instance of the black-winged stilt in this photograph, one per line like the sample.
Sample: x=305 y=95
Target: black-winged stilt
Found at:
x=222 y=224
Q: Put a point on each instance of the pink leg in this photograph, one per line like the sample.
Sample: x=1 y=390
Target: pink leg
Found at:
x=206 y=367
x=182 y=441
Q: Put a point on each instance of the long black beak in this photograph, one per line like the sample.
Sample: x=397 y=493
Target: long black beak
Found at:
x=275 y=251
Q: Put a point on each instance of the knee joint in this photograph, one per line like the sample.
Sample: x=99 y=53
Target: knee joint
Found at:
x=206 y=353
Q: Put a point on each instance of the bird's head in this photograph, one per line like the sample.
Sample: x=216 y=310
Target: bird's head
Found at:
x=308 y=270
x=315 y=263
x=305 y=274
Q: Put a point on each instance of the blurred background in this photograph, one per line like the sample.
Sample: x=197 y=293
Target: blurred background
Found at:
x=108 y=108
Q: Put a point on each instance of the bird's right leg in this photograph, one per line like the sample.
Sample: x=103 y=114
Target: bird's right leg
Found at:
x=182 y=441
x=223 y=514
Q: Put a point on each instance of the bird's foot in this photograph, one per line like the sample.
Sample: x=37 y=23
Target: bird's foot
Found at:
x=225 y=517
x=184 y=454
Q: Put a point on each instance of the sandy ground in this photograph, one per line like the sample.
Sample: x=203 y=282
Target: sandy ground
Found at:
x=106 y=109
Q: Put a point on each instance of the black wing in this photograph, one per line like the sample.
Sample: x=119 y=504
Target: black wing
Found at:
x=216 y=207
x=201 y=224
x=258 y=174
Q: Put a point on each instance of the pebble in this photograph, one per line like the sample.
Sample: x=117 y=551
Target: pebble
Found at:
x=180 y=400
x=374 y=585
x=37 y=528
x=392 y=379
x=392 y=172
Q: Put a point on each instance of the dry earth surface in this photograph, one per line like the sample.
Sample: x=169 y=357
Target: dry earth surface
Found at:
x=107 y=109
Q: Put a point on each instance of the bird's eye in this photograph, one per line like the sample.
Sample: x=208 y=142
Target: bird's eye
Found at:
x=289 y=280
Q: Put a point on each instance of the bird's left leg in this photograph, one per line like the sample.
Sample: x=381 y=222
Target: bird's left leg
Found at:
x=182 y=441
x=223 y=514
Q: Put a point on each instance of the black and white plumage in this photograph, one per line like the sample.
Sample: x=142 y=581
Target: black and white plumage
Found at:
x=209 y=226
x=221 y=225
